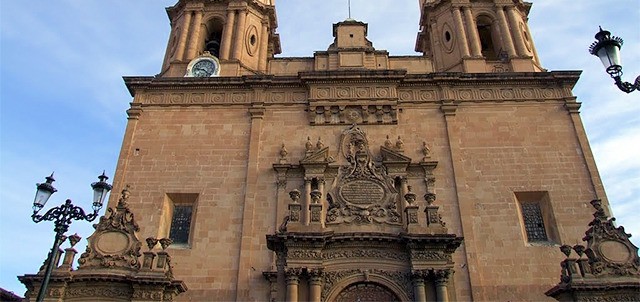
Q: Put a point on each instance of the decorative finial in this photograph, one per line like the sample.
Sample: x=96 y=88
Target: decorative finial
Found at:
x=579 y=248
x=410 y=197
x=319 y=144
x=165 y=243
x=430 y=198
x=151 y=242
x=315 y=196
x=308 y=145
x=566 y=250
x=399 y=144
x=74 y=239
x=294 y=195
x=124 y=196
x=283 y=154
x=426 y=151
x=387 y=143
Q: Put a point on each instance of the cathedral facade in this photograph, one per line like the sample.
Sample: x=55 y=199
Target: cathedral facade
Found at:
x=354 y=174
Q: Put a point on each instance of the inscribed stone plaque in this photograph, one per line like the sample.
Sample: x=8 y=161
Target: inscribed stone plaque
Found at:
x=362 y=192
x=112 y=243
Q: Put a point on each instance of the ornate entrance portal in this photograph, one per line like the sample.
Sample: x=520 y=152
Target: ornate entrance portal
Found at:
x=354 y=233
x=366 y=292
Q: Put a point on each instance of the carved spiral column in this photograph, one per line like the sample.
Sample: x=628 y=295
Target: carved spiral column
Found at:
x=441 y=279
x=315 y=285
x=227 y=35
x=293 y=279
x=464 y=44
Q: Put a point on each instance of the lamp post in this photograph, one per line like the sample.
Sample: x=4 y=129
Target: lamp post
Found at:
x=607 y=48
x=63 y=216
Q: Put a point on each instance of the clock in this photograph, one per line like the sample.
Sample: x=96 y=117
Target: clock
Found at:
x=203 y=66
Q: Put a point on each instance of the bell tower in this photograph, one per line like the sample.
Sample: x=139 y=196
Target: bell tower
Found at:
x=241 y=34
x=477 y=36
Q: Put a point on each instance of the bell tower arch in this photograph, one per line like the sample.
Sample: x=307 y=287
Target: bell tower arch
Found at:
x=241 y=34
x=477 y=36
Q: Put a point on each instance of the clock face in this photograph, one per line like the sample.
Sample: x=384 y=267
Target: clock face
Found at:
x=203 y=68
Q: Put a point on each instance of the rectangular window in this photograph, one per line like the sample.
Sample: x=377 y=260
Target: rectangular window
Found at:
x=536 y=217
x=178 y=218
x=181 y=224
x=533 y=221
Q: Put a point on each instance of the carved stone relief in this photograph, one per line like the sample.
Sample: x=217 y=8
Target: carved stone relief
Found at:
x=363 y=192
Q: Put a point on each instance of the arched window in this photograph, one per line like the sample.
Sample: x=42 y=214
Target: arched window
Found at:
x=486 y=32
x=213 y=38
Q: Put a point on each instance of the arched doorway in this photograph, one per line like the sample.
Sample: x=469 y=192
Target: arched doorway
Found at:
x=366 y=292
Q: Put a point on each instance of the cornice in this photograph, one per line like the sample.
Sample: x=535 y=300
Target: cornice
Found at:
x=566 y=79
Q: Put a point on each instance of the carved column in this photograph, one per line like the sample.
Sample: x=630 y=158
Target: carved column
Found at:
x=321 y=183
x=183 y=35
x=506 y=33
x=293 y=279
x=404 y=185
x=464 y=44
x=194 y=41
x=227 y=35
x=281 y=193
x=441 y=279
x=521 y=49
x=239 y=36
x=264 y=43
x=315 y=285
x=307 y=199
x=472 y=31
x=420 y=294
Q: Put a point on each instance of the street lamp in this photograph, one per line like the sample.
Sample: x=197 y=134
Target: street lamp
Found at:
x=607 y=48
x=62 y=216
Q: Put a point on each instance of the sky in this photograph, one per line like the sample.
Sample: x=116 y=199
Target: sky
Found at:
x=63 y=101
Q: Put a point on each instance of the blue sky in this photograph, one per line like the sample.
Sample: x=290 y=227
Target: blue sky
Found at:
x=63 y=101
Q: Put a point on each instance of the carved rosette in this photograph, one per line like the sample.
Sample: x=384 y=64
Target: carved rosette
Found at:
x=363 y=193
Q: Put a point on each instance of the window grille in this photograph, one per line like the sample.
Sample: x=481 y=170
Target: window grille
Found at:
x=181 y=224
x=533 y=222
